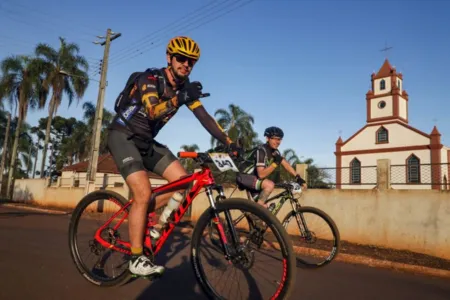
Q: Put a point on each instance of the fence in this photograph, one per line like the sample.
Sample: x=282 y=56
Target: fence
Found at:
x=328 y=178
x=403 y=176
x=421 y=174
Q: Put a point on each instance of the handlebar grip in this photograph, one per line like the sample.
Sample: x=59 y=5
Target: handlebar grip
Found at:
x=187 y=154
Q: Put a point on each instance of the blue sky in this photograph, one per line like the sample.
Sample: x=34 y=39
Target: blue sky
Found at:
x=302 y=65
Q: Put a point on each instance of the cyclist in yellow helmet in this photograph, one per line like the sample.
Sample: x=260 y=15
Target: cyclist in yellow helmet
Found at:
x=150 y=99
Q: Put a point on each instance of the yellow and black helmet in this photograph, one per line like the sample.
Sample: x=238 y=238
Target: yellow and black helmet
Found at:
x=185 y=46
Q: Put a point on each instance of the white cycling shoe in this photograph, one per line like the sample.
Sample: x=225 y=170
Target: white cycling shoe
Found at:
x=142 y=266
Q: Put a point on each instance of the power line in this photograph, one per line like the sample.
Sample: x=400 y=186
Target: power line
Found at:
x=147 y=38
x=153 y=45
x=23 y=20
x=53 y=16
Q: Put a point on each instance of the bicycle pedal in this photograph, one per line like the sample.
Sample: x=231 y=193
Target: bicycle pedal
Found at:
x=151 y=277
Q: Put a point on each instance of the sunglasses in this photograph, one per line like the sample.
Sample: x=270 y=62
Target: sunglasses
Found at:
x=182 y=59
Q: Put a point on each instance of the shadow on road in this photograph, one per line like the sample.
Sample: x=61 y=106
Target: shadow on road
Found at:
x=16 y=214
x=178 y=280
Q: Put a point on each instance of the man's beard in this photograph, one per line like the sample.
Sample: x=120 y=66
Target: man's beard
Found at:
x=179 y=77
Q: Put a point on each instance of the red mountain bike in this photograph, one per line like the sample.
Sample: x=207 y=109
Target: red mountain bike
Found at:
x=239 y=247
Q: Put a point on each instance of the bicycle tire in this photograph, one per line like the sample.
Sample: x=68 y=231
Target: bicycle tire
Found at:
x=334 y=229
x=287 y=287
x=73 y=227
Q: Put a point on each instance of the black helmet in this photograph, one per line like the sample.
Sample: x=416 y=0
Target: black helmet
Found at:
x=273 y=131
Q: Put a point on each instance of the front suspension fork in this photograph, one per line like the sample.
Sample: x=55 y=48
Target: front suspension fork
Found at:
x=218 y=223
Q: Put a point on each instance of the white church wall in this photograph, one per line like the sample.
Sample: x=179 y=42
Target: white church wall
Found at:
x=399 y=136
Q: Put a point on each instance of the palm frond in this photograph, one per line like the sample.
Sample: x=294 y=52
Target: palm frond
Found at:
x=12 y=64
x=46 y=51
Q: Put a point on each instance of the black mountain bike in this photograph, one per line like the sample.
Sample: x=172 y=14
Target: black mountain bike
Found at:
x=313 y=248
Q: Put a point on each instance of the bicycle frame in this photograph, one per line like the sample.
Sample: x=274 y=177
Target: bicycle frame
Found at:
x=202 y=179
x=284 y=195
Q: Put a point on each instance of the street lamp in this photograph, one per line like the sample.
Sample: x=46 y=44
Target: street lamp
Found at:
x=63 y=72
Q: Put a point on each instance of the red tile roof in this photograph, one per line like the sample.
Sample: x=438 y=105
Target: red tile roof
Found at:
x=386 y=70
x=105 y=164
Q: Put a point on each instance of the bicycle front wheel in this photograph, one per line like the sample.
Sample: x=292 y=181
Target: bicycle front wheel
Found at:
x=315 y=236
x=256 y=255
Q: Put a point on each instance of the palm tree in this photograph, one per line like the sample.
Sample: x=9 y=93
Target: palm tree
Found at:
x=189 y=164
x=22 y=83
x=237 y=124
x=59 y=63
x=41 y=136
x=89 y=116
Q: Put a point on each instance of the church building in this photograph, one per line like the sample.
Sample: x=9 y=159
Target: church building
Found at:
x=418 y=159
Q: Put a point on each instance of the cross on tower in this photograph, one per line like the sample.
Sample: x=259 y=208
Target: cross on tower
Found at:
x=385 y=49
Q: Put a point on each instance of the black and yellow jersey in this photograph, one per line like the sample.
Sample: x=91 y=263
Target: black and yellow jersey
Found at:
x=149 y=110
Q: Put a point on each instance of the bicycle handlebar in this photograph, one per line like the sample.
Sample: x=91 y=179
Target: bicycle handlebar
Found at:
x=187 y=154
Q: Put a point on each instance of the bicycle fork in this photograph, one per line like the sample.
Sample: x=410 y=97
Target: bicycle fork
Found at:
x=301 y=222
x=218 y=223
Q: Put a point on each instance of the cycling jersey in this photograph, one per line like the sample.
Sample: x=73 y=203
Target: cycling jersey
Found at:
x=134 y=149
x=150 y=117
x=261 y=157
x=249 y=178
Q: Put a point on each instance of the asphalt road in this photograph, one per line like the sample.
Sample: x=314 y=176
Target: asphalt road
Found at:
x=35 y=264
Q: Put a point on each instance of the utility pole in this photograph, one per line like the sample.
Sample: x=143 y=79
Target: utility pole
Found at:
x=92 y=168
x=5 y=146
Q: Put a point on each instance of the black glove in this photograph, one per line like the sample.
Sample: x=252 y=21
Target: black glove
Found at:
x=277 y=158
x=235 y=148
x=190 y=92
x=299 y=180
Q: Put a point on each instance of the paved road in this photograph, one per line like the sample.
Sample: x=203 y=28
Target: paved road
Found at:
x=35 y=264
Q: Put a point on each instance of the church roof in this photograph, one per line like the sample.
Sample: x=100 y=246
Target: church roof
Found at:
x=386 y=70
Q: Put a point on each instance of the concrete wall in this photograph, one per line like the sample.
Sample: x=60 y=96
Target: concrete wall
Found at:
x=38 y=192
x=418 y=221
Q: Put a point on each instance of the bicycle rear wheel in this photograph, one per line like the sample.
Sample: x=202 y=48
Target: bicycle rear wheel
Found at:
x=95 y=209
x=315 y=246
x=243 y=254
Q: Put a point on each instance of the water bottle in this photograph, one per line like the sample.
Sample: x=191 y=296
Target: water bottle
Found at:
x=271 y=206
x=172 y=205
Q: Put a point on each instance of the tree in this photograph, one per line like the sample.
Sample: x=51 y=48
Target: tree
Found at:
x=89 y=116
x=238 y=124
x=280 y=173
x=317 y=177
x=60 y=63
x=22 y=83
x=188 y=163
x=40 y=137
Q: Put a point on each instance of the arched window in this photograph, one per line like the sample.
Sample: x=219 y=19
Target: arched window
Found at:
x=382 y=135
x=413 y=169
x=355 y=171
x=382 y=84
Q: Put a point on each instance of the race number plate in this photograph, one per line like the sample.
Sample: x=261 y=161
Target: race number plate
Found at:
x=223 y=162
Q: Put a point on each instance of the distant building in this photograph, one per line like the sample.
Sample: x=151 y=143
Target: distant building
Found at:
x=418 y=160
x=107 y=174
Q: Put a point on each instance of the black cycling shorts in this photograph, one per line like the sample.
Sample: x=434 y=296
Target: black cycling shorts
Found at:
x=249 y=182
x=131 y=156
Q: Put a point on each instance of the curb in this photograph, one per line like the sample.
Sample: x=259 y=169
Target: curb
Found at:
x=51 y=211
x=386 y=264
x=362 y=260
x=342 y=257
x=373 y=262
